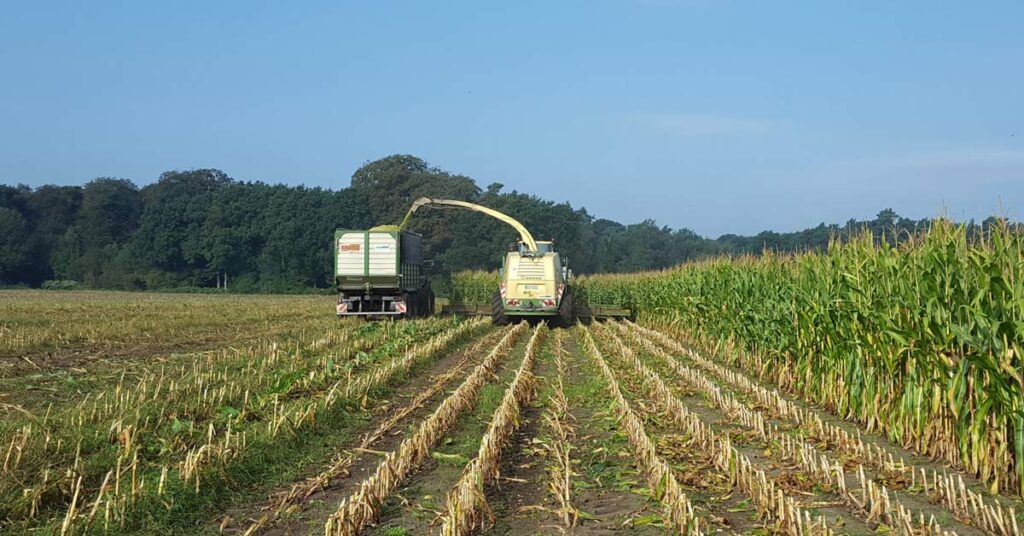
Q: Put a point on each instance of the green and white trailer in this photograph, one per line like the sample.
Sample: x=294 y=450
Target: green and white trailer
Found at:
x=380 y=273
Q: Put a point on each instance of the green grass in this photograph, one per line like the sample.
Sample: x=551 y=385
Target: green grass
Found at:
x=464 y=441
x=606 y=460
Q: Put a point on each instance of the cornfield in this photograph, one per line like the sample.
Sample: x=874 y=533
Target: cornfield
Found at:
x=921 y=341
x=869 y=389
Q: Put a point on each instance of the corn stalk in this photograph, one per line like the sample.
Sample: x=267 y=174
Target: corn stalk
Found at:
x=873 y=500
x=284 y=502
x=658 y=473
x=948 y=490
x=364 y=504
x=558 y=422
x=466 y=508
x=921 y=341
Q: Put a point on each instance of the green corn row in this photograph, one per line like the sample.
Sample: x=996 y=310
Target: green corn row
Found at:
x=474 y=286
x=922 y=341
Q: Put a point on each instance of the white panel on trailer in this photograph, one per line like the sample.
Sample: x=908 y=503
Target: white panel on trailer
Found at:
x=350 y=254
x=383 y=254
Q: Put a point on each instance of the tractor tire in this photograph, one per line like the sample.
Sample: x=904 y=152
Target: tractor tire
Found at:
x=416 y=305
x=431 y=302
x=421 y=303
x=498 y=316
x=566 y=316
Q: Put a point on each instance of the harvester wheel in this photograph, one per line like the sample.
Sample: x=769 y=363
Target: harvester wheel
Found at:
x=498 y=316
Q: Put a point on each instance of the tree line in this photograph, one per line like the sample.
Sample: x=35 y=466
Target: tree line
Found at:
x=202 y=229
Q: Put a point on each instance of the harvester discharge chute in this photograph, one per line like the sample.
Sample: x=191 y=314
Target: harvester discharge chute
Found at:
x=534 y=280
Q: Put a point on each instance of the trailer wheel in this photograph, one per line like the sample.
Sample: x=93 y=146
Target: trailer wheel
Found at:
x=422 y=303
x=431 y=302
x=417 y=310
x=498 y=316
x=565 y=310
x=409 y=300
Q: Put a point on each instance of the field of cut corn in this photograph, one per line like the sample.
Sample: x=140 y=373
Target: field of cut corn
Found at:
x=870 y=390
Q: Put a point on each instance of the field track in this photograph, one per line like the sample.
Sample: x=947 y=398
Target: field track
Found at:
x=450 y=427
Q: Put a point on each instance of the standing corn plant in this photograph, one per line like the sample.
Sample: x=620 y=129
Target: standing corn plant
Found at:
x=921 y=340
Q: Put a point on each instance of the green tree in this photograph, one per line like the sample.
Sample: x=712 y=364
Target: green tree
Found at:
x=14 y=251
x=198 y=227
x=392 y=183
x=109 y=214
x=170 y=240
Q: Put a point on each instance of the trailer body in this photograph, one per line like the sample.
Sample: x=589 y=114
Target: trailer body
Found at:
x=381 y=274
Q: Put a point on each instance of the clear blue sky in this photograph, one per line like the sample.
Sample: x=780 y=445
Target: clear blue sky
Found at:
x=724 y=117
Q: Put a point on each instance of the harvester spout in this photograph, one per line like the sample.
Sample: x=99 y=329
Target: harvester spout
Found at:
x=527 y=238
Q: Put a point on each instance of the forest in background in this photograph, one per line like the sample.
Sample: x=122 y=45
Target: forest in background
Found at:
x=200 y=228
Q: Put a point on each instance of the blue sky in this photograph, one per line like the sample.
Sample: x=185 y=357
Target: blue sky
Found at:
x=724 y=117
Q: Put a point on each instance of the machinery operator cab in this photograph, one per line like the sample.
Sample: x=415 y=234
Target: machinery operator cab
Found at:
x=542 y=247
